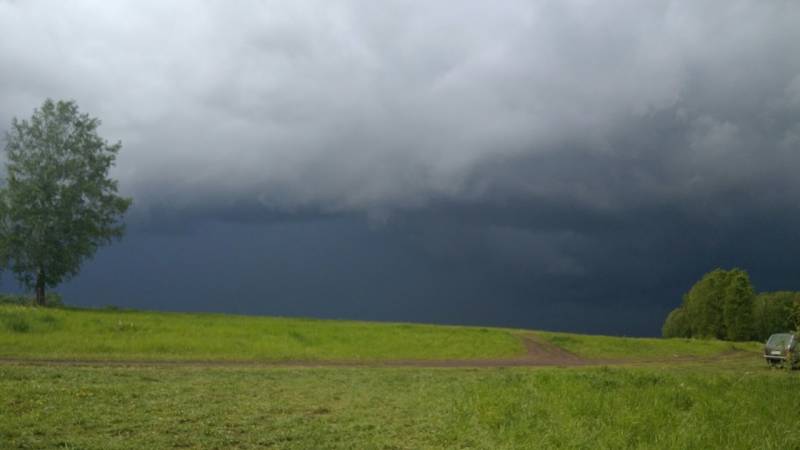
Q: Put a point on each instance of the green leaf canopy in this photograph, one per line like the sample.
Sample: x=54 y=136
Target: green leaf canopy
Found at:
x=58 y=205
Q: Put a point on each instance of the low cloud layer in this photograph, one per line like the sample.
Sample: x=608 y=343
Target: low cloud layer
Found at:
x=577 y=141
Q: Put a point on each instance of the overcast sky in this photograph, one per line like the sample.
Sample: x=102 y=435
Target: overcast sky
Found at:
x=571 y=165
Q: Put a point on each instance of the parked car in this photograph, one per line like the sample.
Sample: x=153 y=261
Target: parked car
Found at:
x=781 y=349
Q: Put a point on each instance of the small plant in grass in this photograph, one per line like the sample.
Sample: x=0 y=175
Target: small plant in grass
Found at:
x=54 y=300
x=15 y=299
x=122 y=327
x=17 y=323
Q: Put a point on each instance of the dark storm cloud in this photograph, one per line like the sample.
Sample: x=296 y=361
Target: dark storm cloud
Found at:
x=357 y=105
x=564 y=157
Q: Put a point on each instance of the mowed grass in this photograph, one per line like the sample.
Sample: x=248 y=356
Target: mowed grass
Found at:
x=613 y=347
x=742 y=405
x=37 y=333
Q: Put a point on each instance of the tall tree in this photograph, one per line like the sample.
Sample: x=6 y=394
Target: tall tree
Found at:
x=721 y=305
x=58 y=205
x=704 y=304
x=737 y=308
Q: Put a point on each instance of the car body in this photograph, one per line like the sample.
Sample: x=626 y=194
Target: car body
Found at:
x=782 y=348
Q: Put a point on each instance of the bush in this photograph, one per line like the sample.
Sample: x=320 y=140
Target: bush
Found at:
x=54 y=300
x=15 y=321
x=15 y=299
x=677 y=325
x=18 y=324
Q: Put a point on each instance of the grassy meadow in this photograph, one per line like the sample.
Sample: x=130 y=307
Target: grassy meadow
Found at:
x=657 y=407
x=637 y=395
x=90 y=334
x=638 y=349
x=44 y=333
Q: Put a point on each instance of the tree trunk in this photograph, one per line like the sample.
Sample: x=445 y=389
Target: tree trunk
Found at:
x=40 y=297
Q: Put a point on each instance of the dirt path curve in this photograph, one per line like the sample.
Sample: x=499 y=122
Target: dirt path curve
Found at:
x=538 y=353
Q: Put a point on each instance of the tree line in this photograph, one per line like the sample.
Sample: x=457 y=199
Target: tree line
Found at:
x=724 y=305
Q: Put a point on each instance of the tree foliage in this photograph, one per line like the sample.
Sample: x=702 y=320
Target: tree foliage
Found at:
x=58 y=205
x=723 y=305
x=737 y=307
x=773 y=312
x=704 y=305
x=677 y=324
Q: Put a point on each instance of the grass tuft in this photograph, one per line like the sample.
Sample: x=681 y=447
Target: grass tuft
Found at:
x=17 y=323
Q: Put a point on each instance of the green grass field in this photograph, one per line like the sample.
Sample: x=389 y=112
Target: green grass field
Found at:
x=613 y=347
x=653 y=407
x=27 y=332
x=86 y=334
x=639 y=400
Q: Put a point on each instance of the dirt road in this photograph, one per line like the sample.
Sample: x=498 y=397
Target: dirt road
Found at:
x=538 y=353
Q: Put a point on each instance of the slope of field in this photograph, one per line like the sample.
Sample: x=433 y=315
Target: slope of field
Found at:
x=37 y=333
x=138 y=336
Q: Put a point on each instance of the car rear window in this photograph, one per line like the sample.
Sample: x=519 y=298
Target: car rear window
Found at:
x=779 y=340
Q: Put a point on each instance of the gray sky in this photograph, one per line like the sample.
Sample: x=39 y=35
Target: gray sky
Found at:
x=535 y=163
